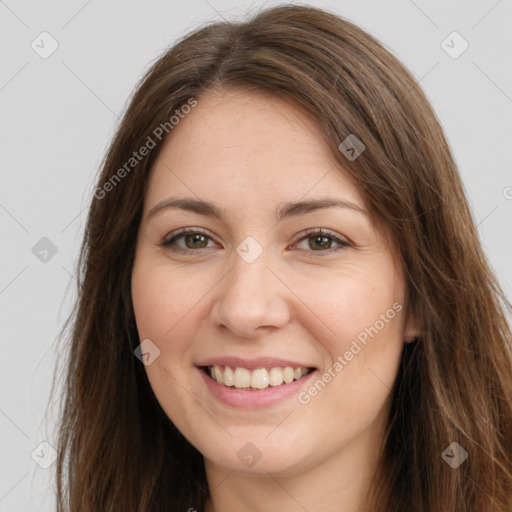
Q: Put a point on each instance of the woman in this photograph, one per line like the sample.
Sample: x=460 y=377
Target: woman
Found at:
x=283 y=302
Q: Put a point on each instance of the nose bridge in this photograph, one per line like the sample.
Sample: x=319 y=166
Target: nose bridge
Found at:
x=251 y=278
x=251 y=297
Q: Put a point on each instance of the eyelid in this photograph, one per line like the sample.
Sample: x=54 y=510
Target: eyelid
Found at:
x=184 y=231
x=341 y=241
x=187 y=230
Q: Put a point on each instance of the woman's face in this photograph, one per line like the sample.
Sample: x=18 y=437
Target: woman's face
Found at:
x=254 y=289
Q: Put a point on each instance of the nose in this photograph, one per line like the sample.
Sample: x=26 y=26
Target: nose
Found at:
x=251 y=299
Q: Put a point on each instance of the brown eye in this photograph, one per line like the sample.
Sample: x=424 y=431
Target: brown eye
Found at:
x=321 y=242
x=186 y=241
x=196 y=241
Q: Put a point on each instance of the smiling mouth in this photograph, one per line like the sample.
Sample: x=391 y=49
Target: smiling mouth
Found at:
x=257 y=379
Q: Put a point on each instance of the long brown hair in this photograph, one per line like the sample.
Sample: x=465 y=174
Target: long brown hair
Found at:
x=117 y=448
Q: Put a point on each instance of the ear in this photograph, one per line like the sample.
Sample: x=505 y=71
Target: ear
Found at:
x=412 y=329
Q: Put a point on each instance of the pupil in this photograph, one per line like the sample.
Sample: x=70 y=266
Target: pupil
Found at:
x=322 y=242
x=196 y=239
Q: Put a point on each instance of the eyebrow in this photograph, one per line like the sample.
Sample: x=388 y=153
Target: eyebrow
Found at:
x=286 y=210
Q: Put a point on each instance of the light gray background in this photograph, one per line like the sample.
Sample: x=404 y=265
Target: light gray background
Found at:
x=58 y=115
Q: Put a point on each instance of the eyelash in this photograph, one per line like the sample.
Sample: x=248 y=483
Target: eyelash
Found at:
x=172 y=237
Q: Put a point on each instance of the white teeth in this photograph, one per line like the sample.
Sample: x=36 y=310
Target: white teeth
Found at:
x=275 y=377
x=260 y=378
x=288 y=374
x=242 y=378
x=229 y=377
x=218 y=374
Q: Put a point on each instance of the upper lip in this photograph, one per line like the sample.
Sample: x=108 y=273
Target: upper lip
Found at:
x=252 y=364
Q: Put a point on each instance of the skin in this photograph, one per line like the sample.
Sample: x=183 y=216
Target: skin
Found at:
x=248 y=153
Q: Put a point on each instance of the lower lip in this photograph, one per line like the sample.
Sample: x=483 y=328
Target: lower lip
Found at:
x=246 y=399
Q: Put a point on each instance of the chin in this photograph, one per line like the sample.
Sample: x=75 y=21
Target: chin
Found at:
x=254 y=452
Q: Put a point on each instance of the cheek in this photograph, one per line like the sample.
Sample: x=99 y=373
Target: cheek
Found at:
x=348 y=306
x=166 y=304
x=362 y=346
x=164 y=301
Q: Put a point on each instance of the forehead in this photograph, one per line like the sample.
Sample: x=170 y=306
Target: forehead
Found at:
x=248 y=149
